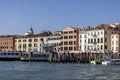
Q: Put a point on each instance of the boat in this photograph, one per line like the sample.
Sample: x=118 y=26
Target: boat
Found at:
x=34 y=56
x=93 y=62
x=9 y=55
x=106 y=62
x=116 y=61
x=113 y=62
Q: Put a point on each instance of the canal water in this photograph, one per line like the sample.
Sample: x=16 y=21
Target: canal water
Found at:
x=16 y=70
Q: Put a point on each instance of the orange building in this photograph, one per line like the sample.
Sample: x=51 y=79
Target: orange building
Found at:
x=7 y=42
x=70 y=39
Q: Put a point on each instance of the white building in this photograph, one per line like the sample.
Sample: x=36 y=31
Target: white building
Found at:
x=54 y=42
x=95 y=40
x=115 y=43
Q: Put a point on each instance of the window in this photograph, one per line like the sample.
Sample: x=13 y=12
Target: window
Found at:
x=105 y=46
x=112 y=42
x=80 y=36
x=85 y=47
x=70 y=48
x=80 y=47
x=75 y=31
x=65 y=48
x=60 y=44
x=85 y=40
x=30 y=40
x=101 y=47
x=116 y=42
x=112 y=36
x=88 y=48
x=88 y=34
x=8 y=53
x=19 y=46
x=74 y=42
x=70 y=42
x=112 y=48
x=35 y=45
x=29 y=45
x=70 y=37
x=105 y=39
x=98 y=34
x=94 y=40
x=70 y=31
x=98 y=40
x=35 y=40
x=101 y=33
x=101 y=40
x=91 y=33
x=65 y=32
x=116 y=48
x=80 y=41
x=74 y=36
x=88 y=40
x=16 y=53
x=24 y=45
x=65 y=43
x=116 y=36
x=65 y=37
x=74 y=48
x=15 y=40
x=24 y=40
x=91 y=40
x=19 y=40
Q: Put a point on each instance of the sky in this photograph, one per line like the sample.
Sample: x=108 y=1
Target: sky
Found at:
x=17 y=16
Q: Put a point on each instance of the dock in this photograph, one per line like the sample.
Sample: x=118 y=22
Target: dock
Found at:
x=75 y=57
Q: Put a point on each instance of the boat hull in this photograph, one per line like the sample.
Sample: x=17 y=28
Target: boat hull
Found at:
x=9 y=59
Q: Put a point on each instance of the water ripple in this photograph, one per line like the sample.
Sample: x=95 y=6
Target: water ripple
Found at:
x=45 y=71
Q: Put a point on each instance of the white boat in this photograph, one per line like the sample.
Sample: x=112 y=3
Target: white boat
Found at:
x=34 y=56
x=106 y=62
x=93 y=62
x=116 y=61
x=113 y=61
x=9 y=55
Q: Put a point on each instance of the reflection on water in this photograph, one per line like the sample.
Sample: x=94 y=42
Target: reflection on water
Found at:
x=16 y=70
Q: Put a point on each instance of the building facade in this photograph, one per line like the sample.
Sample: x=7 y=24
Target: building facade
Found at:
x=26 y=44
x=54 y=42
x=70 y=39
x=95 y=40
x=38 y=43
x=115 y=43
x=7 y=42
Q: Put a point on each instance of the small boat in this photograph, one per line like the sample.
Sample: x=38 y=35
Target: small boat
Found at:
x=9 y=55
x=93 y=62
x=113 y=61
x=116 y=61
x=106 y=62
x=34 y=56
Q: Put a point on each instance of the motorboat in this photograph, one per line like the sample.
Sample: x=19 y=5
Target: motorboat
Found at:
x=116 y=61
x=106 y=62
x=112 y=61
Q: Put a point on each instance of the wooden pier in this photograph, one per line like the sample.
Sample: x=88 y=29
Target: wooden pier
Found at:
x=75 y=57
